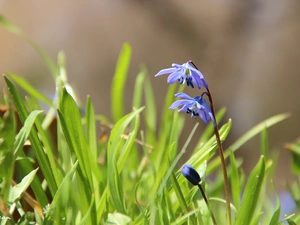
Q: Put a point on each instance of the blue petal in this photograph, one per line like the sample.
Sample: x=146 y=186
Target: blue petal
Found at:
x=208 y=111
x=183 y=95
x=196 y=79
x=166 y=71
x=204 y=115
x=179 y=103
x=174 y=77
x=176 y=65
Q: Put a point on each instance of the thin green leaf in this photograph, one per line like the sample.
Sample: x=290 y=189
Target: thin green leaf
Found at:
x=118 y=82
x=118 y=218
x=150 y=113
x=7 y=131
x=7 y=134
x=251 y=194
x=91 y=127
x=235 y=181
x=25 y=131
x=179 y=193
x=138 y=88
x=113 y=150
x=72 y=127
x=294 y=148
x=33 y=137
x=291 y=222
x=264 y=143
x=21 y=187
x=276 y=215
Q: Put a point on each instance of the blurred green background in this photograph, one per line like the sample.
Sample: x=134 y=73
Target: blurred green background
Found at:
x=248 y=51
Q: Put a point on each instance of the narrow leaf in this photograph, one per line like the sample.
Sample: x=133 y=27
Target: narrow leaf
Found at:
x=118 y=82
x=235 y=181
x=21 y=187
x=251 y=194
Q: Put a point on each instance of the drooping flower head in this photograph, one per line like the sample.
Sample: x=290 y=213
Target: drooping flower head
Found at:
x=196 y=106
x=185 y=73
x=190 y=174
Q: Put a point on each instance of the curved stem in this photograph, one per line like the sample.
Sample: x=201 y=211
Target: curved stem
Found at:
x=208 y=205
x=223 y=164
x=221 y=154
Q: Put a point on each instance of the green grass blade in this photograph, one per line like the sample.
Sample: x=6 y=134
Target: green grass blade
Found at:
x=21 y=187
x=25 y=131
x=113 y=152
x=251 y=194
x=150 y=113
x=175 y=161
x=91 y=127
x=7 y=134
x=179 y=193
x=276 y=215
x=138 y=88
x=47 y=141
x=124 y=153
x=118 y=82
x=294 y=148
x=61 y=197
x=73 y=130
x=29 y=88
x=14 y=29
x=264 y=143
x=235 y=181
x=33 y=137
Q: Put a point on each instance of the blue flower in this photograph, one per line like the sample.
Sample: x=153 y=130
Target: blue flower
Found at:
x=184 y=73
x=195 y=106
x=190 y=174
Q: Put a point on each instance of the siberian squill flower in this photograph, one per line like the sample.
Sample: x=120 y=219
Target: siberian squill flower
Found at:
x=185 y=73
x=196 y=106
x=190 y=174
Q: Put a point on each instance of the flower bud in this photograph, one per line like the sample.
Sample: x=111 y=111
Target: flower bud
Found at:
x=190 y=174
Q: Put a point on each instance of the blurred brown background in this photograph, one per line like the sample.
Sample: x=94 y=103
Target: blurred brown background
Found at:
x=248 y=51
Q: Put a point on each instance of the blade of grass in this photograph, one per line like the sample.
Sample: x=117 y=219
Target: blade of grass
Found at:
x=276 y=215
x=179 y=194
x=23 y=134
x=150 y=113
x=45 y=137
x=251 y=194
x=34 y=139
x=91 y=127
x=138 y=88
x=118 y=82
x=235 y=181
x=7 y=134
x=113 y=150
x=264 y=143
x=21 y=187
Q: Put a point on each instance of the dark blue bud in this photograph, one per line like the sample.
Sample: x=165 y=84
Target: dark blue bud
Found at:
x=190 y=174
